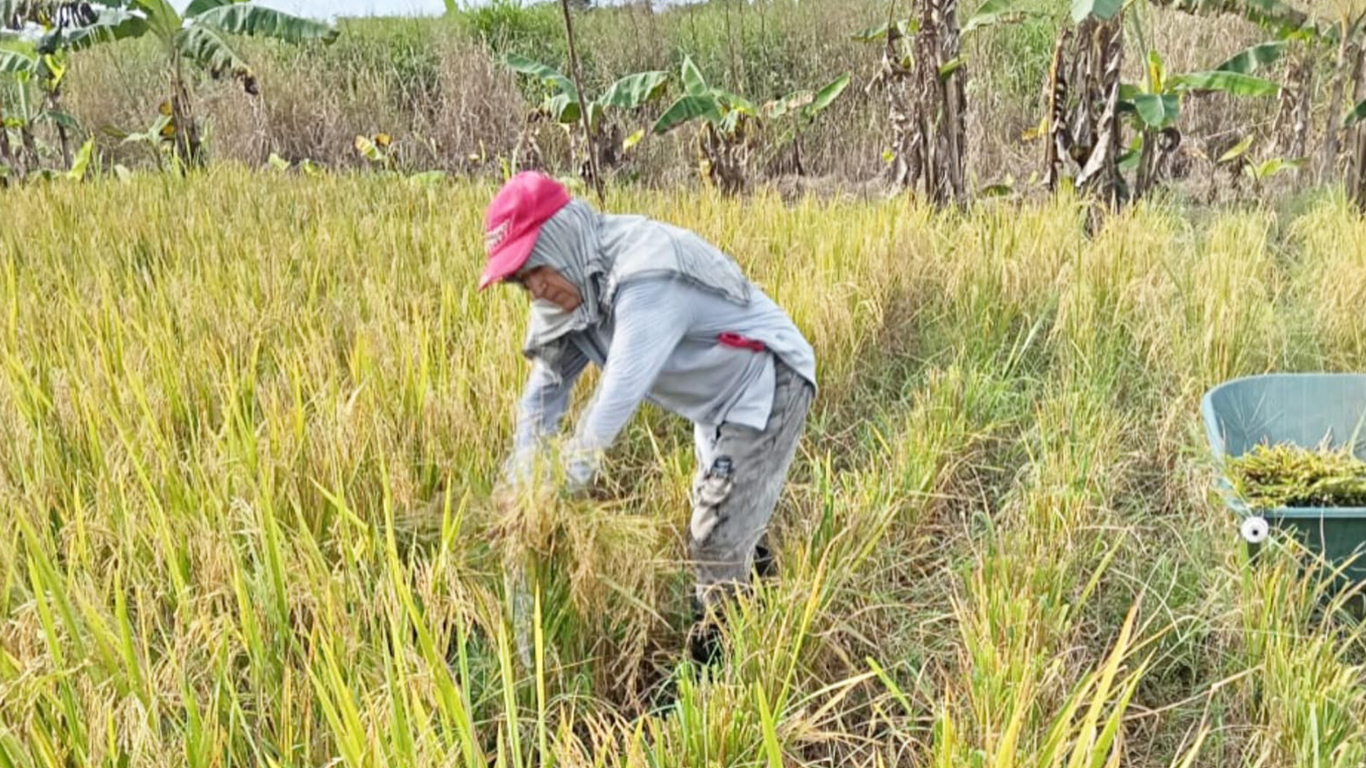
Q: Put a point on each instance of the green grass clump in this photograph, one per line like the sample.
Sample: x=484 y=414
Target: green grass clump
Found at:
x=1275 y=476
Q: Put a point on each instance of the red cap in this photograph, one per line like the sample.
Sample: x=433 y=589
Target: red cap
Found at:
x=514 y=219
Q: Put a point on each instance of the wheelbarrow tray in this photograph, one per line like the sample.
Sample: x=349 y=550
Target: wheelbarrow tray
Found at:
x=1307 y=410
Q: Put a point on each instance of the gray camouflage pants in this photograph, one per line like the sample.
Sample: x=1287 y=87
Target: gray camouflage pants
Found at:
x=740 y=475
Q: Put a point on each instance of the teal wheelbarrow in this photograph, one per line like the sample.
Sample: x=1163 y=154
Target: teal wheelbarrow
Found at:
x=1308 y=410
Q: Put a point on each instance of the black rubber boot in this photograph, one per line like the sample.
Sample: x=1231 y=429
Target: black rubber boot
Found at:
x=705 y=646
x=704 y=638
x=764 y=565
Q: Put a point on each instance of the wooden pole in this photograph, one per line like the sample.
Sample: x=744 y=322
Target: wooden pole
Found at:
x=583 y=105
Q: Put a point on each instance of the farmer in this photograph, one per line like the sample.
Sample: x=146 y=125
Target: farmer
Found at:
x=669 y=318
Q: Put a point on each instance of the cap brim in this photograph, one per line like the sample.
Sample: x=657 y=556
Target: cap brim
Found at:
x=509 y=258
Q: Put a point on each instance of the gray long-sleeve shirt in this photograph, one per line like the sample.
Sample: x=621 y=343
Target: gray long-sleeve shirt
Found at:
x=660 y=344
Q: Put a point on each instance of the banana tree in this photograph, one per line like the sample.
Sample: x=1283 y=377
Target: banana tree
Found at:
x=728 y=133
x=28 y=114
x=1083 y=121
x=1241 y=164
x=15 y=71
x=1334 y=25
x=1347 y=30
x=799 y=110
x=42 y=65
x=731 y=125
x=1154 y=107
x=24 y=110
x=1341 y=25
x=199 y=36
x=16 y=14
x=923 y=80
x=562 y=106
x=1089 y=105
x=51 y=72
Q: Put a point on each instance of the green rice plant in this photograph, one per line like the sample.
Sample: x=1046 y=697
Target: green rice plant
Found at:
x=1329 y=238
x=1087 y=729
x=1307 y=663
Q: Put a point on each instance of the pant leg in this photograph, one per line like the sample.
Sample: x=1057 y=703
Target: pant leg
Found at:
x=703 y=442
x=735 y=492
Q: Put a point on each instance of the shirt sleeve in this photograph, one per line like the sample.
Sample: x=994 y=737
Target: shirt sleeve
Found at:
x=544 y=401
x=651 y=317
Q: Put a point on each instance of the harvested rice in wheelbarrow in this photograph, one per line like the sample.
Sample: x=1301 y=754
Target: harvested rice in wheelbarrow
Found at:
x=1269 y=477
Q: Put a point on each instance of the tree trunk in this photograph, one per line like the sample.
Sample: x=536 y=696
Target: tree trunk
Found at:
x=1100 y=175
x=941 y=106
x=606 y=149
x=898 y=83
x=1088 y=73
x=1057 y=140
x=927 y=102
x=1357 y=182
x=1285 y=107
x=527 y=154
x=1146 y=161
x=955 y=102
x=1299 y=141
x=1076 y=89
x=6 y=154
x=32 y=161
x=1300 y=135
x=1356 y=178
x=53 y=105
x=1329 y=162
x=66 y=146
x=1292 y=118
x=590 y=141
x=727 y=156
x=187 y=143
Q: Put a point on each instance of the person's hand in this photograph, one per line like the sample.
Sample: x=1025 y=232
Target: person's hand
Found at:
x=579 y=473
x=522 y=609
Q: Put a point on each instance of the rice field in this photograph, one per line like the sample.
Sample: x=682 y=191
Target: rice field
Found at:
x=250 y=423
